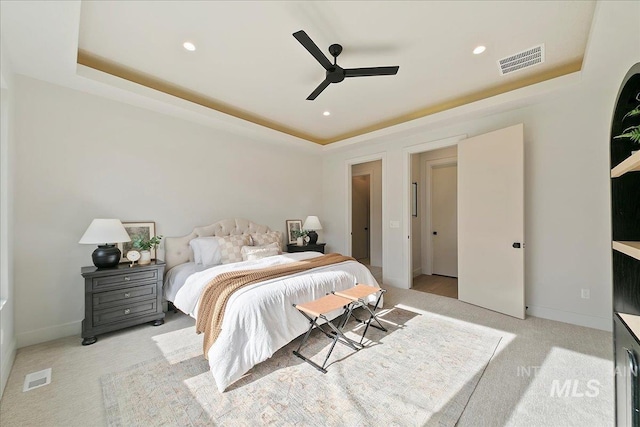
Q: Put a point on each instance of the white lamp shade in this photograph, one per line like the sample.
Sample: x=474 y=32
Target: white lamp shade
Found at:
x=312 y=223
x=105 y=231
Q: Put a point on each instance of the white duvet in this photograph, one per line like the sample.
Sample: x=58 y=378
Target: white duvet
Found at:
x=260 y=318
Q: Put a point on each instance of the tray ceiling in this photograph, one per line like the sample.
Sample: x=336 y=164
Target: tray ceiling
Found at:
x=248 y=64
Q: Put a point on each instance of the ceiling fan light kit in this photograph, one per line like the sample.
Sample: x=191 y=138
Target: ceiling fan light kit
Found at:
x=334 y=72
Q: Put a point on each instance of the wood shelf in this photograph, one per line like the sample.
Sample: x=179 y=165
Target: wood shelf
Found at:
x=633 y=323
x=628 y=248
x=630 y=164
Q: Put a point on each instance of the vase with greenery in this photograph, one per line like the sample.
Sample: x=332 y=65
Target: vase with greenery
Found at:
x=145 y=245
x=300 y=235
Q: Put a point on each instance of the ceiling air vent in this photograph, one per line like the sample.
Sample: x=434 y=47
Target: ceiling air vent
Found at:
x=521 y=60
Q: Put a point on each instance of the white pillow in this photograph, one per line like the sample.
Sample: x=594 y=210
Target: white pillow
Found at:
x=206 y=251
x=251 y=253
x=262 y=239
x=231 y=247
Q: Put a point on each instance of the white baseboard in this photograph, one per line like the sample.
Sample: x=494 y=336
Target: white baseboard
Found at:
x=396 y=282
x=7 y=363
x=417 y=271
x=603 y=323
x=47 y=334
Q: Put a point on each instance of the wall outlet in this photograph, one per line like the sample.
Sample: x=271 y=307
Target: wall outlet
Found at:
x=585 y=293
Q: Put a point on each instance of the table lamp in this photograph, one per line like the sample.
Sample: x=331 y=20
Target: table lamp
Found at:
x=312 y=223
x=104 y=233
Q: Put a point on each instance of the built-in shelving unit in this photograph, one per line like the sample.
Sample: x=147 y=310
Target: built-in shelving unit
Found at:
x=631 y=164
x=625 y=228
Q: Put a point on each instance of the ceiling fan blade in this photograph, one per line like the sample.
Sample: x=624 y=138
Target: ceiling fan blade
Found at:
x=322 y=86
x=371 y=71
x=313 y=49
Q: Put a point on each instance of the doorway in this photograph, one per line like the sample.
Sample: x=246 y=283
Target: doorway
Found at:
x=490 y=218
x=360 y=218
x=366 y=215
x=435 y=231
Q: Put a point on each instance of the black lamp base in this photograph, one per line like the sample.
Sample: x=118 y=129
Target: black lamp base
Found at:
x=313 y=237
x=106 y=256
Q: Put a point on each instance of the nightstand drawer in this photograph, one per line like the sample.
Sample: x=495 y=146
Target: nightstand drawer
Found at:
x=124 y=312
x=108 y=299
x=318 y=247
x=124 y=278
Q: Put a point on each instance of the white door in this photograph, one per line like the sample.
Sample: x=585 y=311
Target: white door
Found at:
x=444 y=220
x=491 y=221
x=360 y=201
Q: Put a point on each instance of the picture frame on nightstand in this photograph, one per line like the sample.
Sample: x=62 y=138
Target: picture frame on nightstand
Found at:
x=293 y=225
x=146 y=229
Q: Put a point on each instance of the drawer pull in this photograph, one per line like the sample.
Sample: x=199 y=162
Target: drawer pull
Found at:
x=127 y=278
x=127 y=295
x=127 y=310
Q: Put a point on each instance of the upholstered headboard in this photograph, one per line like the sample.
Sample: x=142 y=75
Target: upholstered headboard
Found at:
x=177 y=249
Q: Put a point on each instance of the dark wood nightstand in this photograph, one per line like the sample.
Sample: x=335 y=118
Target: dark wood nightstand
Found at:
x=119 y=297
x=318 y=247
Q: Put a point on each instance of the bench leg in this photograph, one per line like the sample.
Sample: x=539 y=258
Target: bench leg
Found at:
x=336 y=336
x=372 y=316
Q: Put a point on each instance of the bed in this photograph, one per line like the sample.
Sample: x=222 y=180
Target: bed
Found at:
x=259 y=319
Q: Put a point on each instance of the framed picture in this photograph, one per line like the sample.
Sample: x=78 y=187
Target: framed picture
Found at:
x=293 y=225
x=145 y=229
x=414 y=199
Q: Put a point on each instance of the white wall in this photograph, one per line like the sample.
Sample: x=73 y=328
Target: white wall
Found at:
x=81 y=157
x=7 y=299
x=374 y=169
x=567 y=198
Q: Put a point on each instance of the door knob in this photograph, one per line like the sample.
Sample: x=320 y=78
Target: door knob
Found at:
x=366 y=228
x=517 y=245
x=435 y=233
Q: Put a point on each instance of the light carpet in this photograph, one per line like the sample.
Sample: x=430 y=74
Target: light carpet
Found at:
x=438 y=359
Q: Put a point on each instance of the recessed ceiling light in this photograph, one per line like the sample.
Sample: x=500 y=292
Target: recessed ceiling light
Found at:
x=189 y=46
x=326 y=113
x=478 y=50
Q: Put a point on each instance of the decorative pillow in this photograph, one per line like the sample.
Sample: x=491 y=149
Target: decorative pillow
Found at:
x=231 y=247
x=197 y=257
x=261 y=239
x=251 y=253
x=206 y=251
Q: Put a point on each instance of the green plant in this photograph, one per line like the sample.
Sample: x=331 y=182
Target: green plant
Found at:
x=632 y=132
x=299 y=233
x=140 y=242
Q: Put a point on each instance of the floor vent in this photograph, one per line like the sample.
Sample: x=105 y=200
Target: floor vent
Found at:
x=521 y=60
x=37 y=379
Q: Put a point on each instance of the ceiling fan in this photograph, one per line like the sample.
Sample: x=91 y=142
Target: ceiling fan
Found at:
x=335 y=73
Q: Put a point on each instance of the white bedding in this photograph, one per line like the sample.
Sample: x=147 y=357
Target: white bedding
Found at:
x=175 y=278
x=260 y=318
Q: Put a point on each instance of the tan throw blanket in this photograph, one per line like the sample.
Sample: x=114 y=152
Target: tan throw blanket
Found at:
x=217 y=292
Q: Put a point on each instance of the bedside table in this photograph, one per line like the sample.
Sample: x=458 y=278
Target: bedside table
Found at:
x=119 y=297
x=318 y=247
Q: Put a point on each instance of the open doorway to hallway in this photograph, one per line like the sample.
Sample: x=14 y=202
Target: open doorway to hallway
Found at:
x=434 y=227
x=366 y=215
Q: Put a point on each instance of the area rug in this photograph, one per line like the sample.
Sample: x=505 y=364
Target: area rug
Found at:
x=421 y=372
